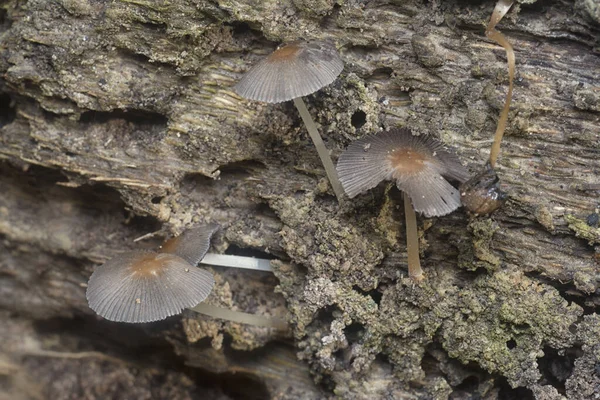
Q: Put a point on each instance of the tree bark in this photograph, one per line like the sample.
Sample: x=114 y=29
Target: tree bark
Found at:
x=118 y=121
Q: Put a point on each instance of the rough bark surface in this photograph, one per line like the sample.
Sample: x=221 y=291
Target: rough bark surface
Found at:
x=118 y=120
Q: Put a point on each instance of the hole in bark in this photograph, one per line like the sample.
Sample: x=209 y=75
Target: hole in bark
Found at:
x=381 y=73
x=97 y=210
x=511 y=344
x=3 y=20
x=142 y=223
x=521 y=328
x=469 y=385
x=240 y=28
x=354 y=332
x=431 y=366
x=556 y=368
x=143 y=345
x=240 y=169
x=506 y=392
x=7 y=110
x=325 y=315
x=157 y=199
x=568 y=291
x=573 y=328
x=375 y=294
x=358 y=119
x=140 y=117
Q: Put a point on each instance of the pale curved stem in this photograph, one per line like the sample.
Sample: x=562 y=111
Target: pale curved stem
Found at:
x=321 y=149
x=500 y=10
x=412 y=240
x=226 y=260
x=240 y=317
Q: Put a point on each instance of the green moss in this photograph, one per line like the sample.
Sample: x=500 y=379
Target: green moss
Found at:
x=582 y=229
x=505 y=331
x=478 y=253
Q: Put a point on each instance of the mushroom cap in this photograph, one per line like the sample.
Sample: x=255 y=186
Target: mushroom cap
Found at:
x=192 y=244
x=144 y=286
x=294 y=70
x=418 y=164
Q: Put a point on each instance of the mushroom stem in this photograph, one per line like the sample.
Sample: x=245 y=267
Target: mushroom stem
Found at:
x=226 y=260
x=239 y=317
x=321 y=149
x=412 y=241
x=500 y=10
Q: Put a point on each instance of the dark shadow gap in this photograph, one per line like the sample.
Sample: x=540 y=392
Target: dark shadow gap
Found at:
x=139 y=117
x=7 y=109
x=144 y=345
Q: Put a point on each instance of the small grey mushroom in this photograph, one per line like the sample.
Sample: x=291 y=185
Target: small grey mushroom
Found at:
x=418 y=165
x=146 y=286
x=292 y=71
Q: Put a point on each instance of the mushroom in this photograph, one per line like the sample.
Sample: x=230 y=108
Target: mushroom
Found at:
x=292 y=71
x=418 y=164
x=146 y=286
x=240 y=317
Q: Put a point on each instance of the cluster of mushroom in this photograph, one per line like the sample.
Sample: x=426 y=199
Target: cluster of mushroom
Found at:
x=145 y=286
x=417 y=164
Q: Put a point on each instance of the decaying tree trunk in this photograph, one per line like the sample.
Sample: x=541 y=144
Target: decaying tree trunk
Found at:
x=118 y=120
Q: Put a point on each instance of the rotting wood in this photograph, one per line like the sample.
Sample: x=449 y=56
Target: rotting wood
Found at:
x=131 y=92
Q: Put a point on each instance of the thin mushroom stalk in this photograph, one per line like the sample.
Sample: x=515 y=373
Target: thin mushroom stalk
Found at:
x=321 y=149
x=412 y=241
x=193 y=246
x=240 y=317
x=231 y=261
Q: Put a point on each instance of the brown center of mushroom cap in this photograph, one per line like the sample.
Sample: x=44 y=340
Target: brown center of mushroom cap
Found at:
x=407 y=162
x=149 y=265
x=285 y=53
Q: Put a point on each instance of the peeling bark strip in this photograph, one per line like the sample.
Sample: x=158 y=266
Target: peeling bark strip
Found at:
x=118 y=119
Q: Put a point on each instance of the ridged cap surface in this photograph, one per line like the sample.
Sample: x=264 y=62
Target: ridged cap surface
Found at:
x=295 y=70
x=142 y=286
x=418 y=164
x=192 y=244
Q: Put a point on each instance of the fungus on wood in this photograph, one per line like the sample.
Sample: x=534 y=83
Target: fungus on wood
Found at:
x=418 y=165
x=146 y=286
x=292 y=71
